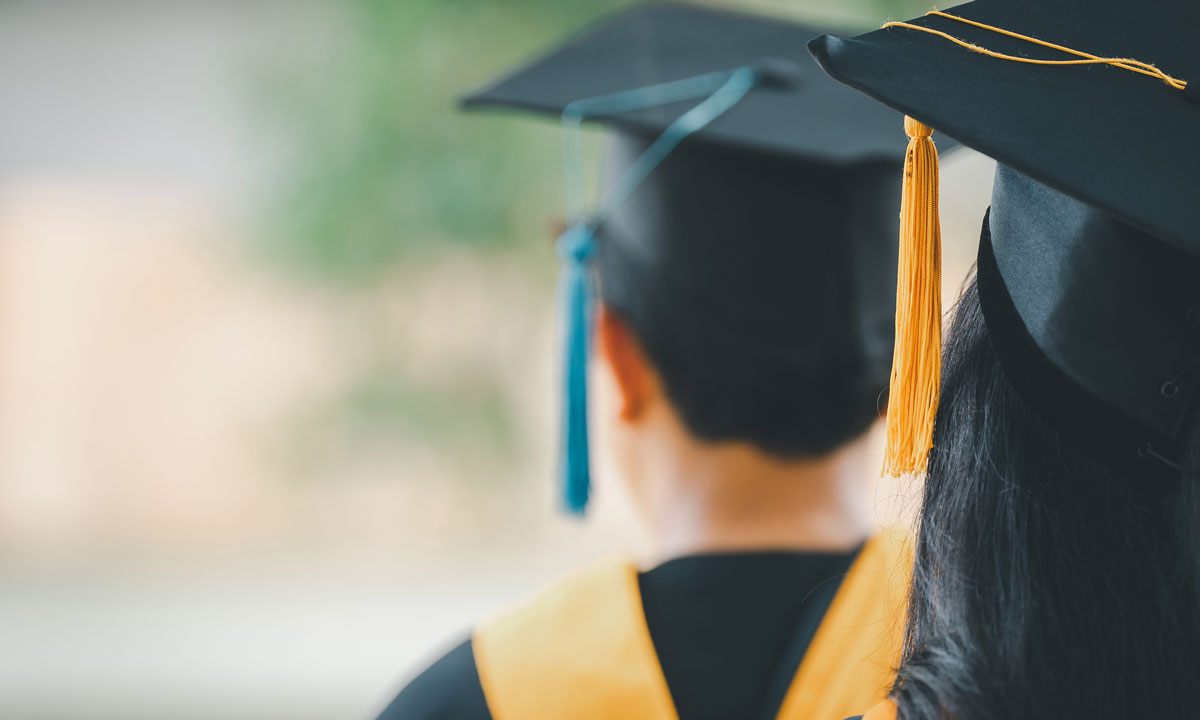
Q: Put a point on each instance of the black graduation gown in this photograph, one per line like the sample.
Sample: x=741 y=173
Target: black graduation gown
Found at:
x=729 y=630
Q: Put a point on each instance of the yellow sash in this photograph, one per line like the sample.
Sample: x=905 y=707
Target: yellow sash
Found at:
x=885 y=710
x=580 y=650
x=851 y=661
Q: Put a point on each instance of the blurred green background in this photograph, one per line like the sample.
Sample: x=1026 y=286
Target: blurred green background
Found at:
x=276 y=395
x=390 y=172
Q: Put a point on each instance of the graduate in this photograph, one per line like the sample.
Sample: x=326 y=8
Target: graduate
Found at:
x=1057 y=570
x=734 y=287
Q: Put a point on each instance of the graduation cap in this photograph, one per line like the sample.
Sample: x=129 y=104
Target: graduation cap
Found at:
x=1089 y=262
x=738 y=170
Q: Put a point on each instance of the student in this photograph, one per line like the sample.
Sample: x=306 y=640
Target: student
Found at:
x=1057 y=569
x=744 y=253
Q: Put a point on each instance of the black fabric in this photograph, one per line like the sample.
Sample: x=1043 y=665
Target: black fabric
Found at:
x=725 y=627
x=721 y=625
x=807 y=116
x=1095 y=225
x=1111 y=307
x=1086 y=419
x=448 y=690
x=1120 y=141
x=815 y=604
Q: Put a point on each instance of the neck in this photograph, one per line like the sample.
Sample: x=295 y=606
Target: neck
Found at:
x=731 y=497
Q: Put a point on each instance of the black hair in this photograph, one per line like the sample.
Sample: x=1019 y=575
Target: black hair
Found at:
x=729 y=388
x=762 y=290
x=1046 y=584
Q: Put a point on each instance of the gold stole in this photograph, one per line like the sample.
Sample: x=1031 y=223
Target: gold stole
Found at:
x=885 y=710
x=580 y=650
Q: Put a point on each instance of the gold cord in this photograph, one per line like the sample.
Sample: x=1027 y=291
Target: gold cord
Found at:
x=1086 y=58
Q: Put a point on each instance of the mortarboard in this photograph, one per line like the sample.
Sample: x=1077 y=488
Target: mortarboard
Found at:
x=740 y=178
x=1089 y=260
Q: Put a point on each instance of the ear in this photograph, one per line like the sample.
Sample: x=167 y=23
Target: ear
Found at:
x=619 y=349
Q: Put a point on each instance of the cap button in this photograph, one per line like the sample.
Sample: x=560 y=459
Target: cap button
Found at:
x=1193 y=89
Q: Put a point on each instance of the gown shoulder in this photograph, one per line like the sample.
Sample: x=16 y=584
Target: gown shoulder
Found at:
x=449 y=689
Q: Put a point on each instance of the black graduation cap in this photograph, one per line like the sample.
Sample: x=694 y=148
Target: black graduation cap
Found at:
x=1089 y=263
x=741 y=178
x=796 y=111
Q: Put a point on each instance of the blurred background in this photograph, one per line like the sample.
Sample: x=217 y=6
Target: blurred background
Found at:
x=276 y=346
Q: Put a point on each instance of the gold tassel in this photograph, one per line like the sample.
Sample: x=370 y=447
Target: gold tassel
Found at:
x=917 y=358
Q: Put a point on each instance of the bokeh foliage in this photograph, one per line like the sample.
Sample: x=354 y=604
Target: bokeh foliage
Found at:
x=386 y=165
x=389 y=166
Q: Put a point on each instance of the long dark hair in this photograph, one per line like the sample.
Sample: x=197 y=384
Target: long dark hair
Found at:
x=1046 y=585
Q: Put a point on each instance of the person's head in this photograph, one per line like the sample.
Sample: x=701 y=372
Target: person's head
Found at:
x=746 y=298
x=1058 y=558
x=1048 y=583
x=1058 y=555
x=745 y=237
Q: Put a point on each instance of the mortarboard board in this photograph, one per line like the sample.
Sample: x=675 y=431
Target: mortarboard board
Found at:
x=1089 y=261
x=741 y=177
x=797 y=110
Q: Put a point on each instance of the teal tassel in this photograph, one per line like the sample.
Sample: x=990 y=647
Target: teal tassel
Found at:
x=721 y=91
x=575 y=248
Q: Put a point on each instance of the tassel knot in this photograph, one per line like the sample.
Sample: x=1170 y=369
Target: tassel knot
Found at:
x=916 y=129
x=575 y=245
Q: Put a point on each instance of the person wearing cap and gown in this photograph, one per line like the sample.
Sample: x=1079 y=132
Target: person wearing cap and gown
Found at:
x=1057 y=569
x=744 y=259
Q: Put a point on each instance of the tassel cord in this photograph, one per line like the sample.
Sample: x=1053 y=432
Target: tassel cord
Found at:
x=576 y=246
